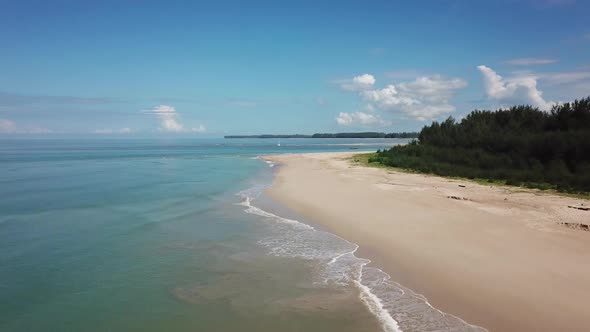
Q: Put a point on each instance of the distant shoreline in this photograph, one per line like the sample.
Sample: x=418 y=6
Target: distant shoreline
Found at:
x=331 y=135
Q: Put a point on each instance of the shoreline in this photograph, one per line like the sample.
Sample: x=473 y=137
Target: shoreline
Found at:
x=377 y=303
x=497 y=259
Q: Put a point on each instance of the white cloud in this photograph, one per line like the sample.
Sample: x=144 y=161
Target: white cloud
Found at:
x=7 y=126
x=125 y=130
x=429 y=112
x=424 y=98
x=567 y=84
x=433 y=88
x=358 y=83
x=168 y=118
x=199 y=129
x=169 y=121
x=360 y=118
x=516 y=90
x=344 y=119
x=388 y=97
x=364 y=79
x=10 y=127
x=530 y=61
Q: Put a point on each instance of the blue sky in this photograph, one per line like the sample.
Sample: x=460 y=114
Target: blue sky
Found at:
x=208 y=69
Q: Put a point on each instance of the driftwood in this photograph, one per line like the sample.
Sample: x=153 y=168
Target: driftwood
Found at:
x=458 y=198
x=576 y=225
x=583 y=208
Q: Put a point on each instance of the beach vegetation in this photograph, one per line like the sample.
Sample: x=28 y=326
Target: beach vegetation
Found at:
x=520 y=146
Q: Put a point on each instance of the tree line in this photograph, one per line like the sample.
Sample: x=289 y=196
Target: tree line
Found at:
x=520 y=145
x=370 y=134
x=334 y=135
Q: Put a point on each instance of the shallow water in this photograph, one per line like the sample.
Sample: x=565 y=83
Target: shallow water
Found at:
x=152 y=235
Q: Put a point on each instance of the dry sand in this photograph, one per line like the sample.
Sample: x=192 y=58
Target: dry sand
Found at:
x=498 y=258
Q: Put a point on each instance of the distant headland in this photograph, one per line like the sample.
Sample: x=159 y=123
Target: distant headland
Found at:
x=335 y=135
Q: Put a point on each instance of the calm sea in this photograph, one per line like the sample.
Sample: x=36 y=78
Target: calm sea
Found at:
x=174 y=235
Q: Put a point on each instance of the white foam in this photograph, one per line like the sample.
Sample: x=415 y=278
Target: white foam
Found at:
x=257 y=211
x=268 y=162
x=394 y=306
x=376 y=307
x=344 y=267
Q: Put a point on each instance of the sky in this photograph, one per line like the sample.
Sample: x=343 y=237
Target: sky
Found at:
x=208 y=69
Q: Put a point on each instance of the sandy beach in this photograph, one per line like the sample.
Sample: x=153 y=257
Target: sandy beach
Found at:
x=498 y=257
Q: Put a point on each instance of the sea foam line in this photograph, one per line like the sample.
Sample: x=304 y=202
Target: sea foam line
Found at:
x=371 y=300
x=247 y=203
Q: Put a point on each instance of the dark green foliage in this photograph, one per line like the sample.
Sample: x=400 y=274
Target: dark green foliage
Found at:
x=336 y=135
x=366 y=135
x=521 y=145
x=267 y=136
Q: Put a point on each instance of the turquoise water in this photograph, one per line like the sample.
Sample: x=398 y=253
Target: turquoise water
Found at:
x=168 y=235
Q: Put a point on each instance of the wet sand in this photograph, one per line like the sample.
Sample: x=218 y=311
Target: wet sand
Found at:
x=498 y=257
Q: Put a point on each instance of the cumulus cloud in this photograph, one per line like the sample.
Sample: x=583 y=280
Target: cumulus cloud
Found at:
x=358 y=83
x=424 y=98
x=388 y=98
x=530 y=61
x=169 y=120
x=359 y=118
x=433 y=88
x=517 y=90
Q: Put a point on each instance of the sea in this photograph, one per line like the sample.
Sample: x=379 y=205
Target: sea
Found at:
x=129 y=234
